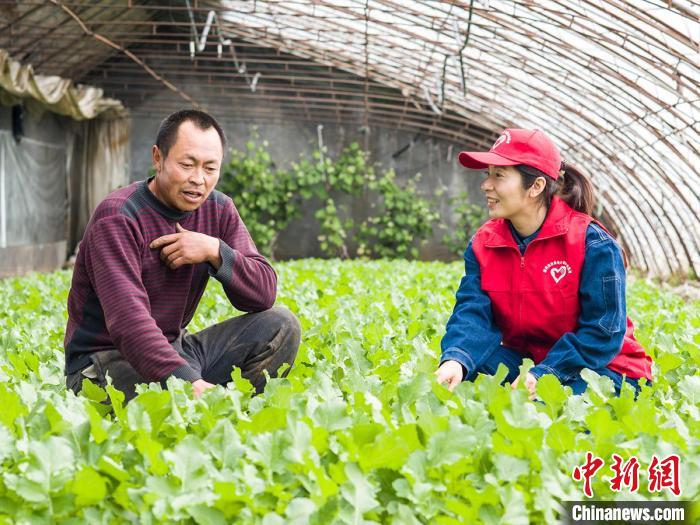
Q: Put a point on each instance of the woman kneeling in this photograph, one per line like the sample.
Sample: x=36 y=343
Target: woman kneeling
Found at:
x=543 y=279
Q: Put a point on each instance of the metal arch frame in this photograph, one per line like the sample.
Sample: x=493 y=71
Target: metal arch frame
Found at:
x=641 y=68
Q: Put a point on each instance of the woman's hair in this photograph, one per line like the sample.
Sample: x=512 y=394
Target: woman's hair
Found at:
x=573 y=187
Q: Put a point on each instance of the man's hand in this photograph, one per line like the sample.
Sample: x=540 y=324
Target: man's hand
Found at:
x=200 y=385
x=451 y=372
x=186 y=247
x=530 y=384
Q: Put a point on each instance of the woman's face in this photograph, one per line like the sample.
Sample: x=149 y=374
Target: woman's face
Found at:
x=505 y=195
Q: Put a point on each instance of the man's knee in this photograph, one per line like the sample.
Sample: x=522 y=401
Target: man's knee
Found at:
x=288 y=329
x=280 y=330
x=278 y=334
x=280 y=318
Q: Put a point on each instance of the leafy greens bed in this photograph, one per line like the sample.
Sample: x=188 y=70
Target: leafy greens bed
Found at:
x=358 y=432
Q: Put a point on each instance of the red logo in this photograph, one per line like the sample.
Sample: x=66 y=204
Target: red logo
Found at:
x=663 y=473
x=586 y=471
x=626 y=474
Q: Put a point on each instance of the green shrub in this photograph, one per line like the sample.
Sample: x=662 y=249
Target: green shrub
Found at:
x=469 y=218
x=269 y=198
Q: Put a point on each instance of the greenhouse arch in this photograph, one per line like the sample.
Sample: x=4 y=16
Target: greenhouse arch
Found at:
x=615 y=83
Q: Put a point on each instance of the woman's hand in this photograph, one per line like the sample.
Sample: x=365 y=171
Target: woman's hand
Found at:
x=530 y=384
x=450 y=372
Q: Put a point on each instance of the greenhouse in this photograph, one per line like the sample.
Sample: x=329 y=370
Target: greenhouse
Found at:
x=338 y=261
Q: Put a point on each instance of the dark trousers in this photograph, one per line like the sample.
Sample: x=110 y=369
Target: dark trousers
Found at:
x=252 y=342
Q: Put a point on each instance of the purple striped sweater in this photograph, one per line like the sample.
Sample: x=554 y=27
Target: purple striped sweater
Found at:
x=123 y=296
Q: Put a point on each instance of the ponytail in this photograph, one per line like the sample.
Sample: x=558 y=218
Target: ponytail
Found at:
x=576 y=189
x=572 y=186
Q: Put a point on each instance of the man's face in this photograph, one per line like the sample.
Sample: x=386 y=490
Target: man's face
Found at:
x=185 y=178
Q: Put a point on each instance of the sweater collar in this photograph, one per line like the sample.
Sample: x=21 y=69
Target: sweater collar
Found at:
x=160 y=207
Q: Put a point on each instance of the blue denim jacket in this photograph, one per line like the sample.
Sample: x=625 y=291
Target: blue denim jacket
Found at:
x=471 y=335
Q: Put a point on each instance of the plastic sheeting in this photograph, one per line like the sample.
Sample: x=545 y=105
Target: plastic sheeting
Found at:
x=18 y=82
x=99 y=164
x=49 y=191
x=33 y=191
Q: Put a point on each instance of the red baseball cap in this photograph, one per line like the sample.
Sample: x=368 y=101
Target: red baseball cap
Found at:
x=517 y=146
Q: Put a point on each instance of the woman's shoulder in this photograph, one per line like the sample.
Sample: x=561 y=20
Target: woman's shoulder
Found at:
x=597 y=234
x=601 y=245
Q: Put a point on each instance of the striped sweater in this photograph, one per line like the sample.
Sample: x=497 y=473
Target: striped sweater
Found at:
x=123 y=296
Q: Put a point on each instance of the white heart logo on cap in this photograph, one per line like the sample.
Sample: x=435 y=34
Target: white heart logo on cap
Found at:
x=558 y=273
x=505 y=137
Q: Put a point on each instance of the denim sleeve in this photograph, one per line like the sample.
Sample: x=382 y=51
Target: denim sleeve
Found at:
x=471 y=332
x=603 y=318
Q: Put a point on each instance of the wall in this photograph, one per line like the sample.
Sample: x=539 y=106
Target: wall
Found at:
x=434 y=160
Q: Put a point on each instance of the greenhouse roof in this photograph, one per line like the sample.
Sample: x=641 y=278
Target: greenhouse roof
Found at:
x=616 y=83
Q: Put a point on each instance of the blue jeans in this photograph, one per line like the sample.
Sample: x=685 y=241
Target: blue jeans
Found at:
x=513 y=359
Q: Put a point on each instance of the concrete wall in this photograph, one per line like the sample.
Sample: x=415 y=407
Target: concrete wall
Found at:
x=434 y=160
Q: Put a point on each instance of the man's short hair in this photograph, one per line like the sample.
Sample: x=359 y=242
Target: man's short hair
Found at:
x=167 y=132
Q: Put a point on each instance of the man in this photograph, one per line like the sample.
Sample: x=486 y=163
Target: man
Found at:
x=144 y=262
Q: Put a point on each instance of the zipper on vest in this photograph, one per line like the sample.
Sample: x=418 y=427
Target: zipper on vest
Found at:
x=520 y=295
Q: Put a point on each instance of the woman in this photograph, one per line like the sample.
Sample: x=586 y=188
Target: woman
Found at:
x=543 y=279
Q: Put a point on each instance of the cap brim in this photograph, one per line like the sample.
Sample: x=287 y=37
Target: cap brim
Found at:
x=481 y=160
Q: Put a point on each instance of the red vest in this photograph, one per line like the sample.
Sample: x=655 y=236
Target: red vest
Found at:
x=534 y=297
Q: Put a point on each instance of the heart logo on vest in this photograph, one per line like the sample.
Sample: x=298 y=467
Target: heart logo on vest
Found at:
x=558 y=273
